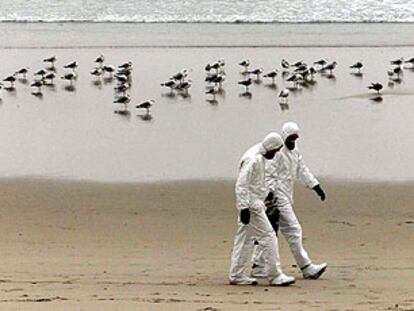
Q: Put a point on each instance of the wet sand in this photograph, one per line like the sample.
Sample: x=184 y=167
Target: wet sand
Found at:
x=86 y=246
x=75 y=134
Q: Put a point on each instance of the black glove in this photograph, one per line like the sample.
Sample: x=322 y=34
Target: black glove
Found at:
x=319 y=192
x=245 y=216
x=273 y=214
x=269 y=197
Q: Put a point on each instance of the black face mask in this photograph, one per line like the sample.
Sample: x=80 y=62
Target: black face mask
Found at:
x=290 y=144
x=290 y=141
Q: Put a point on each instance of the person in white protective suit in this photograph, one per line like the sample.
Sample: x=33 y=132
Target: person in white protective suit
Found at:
x=287 y=166
x=253 y=224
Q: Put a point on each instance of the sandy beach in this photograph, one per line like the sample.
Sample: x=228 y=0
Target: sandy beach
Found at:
x=100 y=211
x=166 y=246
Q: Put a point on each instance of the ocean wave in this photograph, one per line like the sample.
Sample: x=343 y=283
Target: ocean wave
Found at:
x=206 y=11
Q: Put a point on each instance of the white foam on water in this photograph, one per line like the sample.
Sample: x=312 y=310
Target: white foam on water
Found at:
x=214 y=11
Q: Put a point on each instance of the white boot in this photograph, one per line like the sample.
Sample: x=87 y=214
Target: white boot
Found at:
x=244 y=280
x=282 y=280
x=314 y=271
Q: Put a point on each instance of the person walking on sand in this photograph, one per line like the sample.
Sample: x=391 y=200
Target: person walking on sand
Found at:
x=253 y=224
x=287 y=166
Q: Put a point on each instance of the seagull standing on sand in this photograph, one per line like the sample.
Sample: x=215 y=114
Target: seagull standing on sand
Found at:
x=213 y=91
x=257 y=72
x=245 y=63
x=283 y=95
x=410 y=61
x=397 y=62
x=124 y=99
x=49 y=76
x=271 y=75
x=170 y=83
x=358 y=66
x=184 y=86
x=284 y=63
x=22 y=72
x=41 y=73
x=69 y=77
x=121 y=88
x=246 y=83
x=97 y=72
x=11 y=80
x=330 y=67
x=100 y=60
x=375 y=86
x=146 y=105
x=50 y=60
x=109 y=69
x=72 y=66
x=37 y=84
x=322 y=62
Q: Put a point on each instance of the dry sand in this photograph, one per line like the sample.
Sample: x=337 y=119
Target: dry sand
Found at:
x=166 y=246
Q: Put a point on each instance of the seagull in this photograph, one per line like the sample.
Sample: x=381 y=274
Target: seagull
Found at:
x=330 y=67
x=357 y=65
x=146 y=105
x=397 y=62
x=127 y=65
x=50 y=76
x=322 y=62
x=410 y=61
x=299 y=64
x=375 y=86
x=257 y=72
x=219 y=79
x=285 y=64
x=72 y=65
x=22 y=72
x=398 y=71
x=213 y=91
x=283 y=95
x=301 y=67
x=11 y=80
x=170 y=83
x=271 y=75
x=97 y=72
x=124 y=99
x=41 y=73
x=180 y=75
x=184 y=86
x=50 y=60
x=246 y=83
x=124 y=71
x=295 y=78
x=121 y=78
x=70 y=77
x=109 y=69
x=121 y=88
x=245 y=63
x=37 y=84
x=99 y=60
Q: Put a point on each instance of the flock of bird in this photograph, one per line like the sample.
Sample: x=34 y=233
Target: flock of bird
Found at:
x=296 y=75
x=45 y=77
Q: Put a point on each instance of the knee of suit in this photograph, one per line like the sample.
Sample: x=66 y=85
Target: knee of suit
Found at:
x=267 y=239
x=293 y=232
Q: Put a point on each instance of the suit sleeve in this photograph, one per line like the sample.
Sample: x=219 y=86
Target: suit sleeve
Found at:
x=305 y=175
x=243 y=183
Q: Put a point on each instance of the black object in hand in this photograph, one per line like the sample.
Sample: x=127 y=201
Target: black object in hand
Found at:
x=319 y=192
x=245 y=216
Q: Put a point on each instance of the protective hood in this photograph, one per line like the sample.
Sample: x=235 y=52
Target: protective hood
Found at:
x=289 y=128
x=272 y=141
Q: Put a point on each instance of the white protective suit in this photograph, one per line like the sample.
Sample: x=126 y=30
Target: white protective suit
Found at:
x=287 y=166
x=250 y=193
